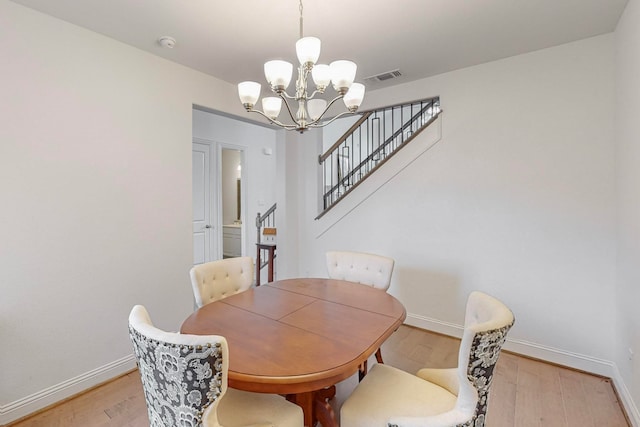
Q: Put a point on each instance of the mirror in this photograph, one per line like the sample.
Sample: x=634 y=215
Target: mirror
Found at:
x=231 y=184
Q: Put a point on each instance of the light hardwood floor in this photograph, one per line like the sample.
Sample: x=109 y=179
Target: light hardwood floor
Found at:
x=525 y=392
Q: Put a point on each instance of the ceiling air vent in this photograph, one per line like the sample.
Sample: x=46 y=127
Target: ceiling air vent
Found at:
x=384 y=76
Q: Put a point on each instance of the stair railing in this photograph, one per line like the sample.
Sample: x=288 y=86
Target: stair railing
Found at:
x=266 y=220
x=370 y=142
x=266 y=252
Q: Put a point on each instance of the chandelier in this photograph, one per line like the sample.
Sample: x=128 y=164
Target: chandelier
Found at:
x=310 y=109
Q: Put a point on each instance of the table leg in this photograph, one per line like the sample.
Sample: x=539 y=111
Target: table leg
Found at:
x=305 y=401
x=323 y=411
x=315 y=406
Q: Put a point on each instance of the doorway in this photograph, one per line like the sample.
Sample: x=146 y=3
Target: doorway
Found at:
x=218 y=201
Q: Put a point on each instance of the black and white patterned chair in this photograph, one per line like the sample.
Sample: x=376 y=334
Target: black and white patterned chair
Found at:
x=456 y=397
x=184 y=378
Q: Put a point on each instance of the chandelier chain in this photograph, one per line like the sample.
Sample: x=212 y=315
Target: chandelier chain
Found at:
x=301 y=20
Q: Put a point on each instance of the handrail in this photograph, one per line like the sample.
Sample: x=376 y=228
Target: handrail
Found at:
x=352 y=129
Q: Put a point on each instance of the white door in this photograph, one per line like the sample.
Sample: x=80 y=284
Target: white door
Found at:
x=203 y=226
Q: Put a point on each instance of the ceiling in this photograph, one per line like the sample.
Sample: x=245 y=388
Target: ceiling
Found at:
x=232 y=39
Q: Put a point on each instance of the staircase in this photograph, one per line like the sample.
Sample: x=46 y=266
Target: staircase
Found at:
x=372 y=140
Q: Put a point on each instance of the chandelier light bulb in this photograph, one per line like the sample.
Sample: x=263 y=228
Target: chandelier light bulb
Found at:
x=249 y=93
x=278 y=73
x=316 y=107
x=342 y=75
x=271 y=106
x=321 y=75
x=308 y=50
x=353 y=98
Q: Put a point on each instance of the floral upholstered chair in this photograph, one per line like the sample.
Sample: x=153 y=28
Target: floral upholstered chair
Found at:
x=184 y=378
x=219 y=279
x=456 y=397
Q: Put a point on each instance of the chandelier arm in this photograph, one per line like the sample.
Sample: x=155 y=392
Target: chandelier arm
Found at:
x=288 y=108
x=283 y=93
x=316 y=125
x=315 y=92
x=276 y=122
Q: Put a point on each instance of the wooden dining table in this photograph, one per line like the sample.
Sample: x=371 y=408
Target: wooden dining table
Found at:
x=300 y=337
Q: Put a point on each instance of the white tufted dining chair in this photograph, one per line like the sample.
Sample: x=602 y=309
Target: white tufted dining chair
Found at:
x=215 y=280
x=184 y=378
x=456 y=397
x=364 y=268
x=368 y=269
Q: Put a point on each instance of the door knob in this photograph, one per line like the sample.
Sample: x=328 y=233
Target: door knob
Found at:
x=208 y=226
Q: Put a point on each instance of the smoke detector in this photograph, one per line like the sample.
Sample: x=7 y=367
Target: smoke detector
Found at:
x=166 y=41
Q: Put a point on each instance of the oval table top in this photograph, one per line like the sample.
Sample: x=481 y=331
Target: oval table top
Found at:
x=298 y=335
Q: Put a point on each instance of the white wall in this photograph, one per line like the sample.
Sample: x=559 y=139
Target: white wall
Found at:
x=335 y=130
x=517 y=199
x=628 y=167
x=288 y=194
x=259 y=169
x=95 y=181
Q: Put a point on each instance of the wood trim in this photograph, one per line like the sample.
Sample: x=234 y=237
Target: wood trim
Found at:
x=336 y=144
x=269 y=231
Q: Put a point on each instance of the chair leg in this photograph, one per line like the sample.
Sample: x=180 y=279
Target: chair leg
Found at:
x=362 y=370
x=379 y=356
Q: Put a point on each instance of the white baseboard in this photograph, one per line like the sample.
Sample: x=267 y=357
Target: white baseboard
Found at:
x=434 y=325
x=530 y=349
x=625 y=396
x=554 y=355
x=30 y=404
